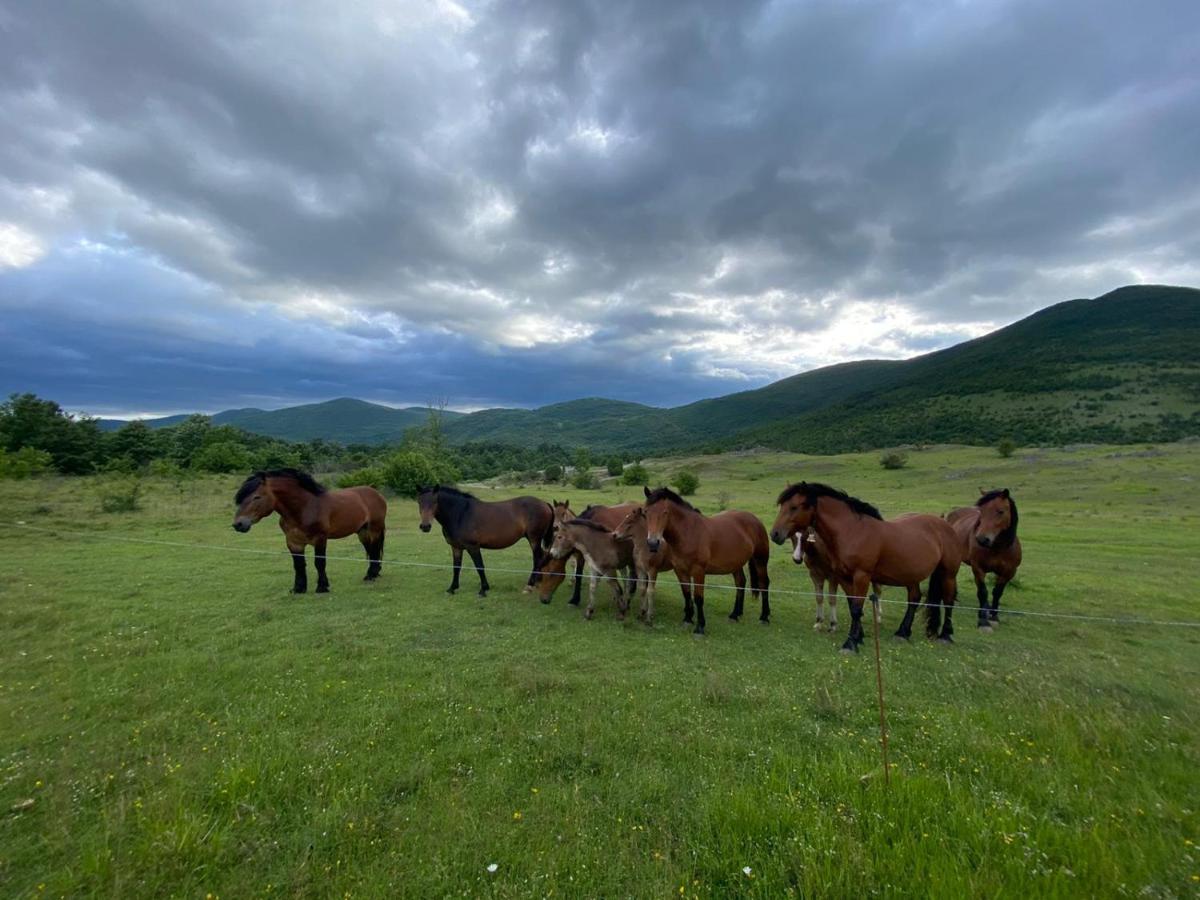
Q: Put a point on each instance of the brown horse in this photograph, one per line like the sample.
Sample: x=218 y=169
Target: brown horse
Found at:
x=865 y=549
x=988 y=531
x=606 y=555
x=310 y=514
x=648 y=564
x=809 y=549
x=471 y=524
x=554 y=571
x=702 y=545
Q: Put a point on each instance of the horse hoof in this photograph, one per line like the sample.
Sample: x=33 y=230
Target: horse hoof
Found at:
x=322 y=589
x=699 y=632
x=818 y=626
x=587 y=613
x=733 y=618
x=849 y=651
x=764 y=621
x=545 y=601
x=528 y=589
x=299 y=590
x=483 y=593
x=451 y=591
x=902 y=637
x=945 y=639
x=985 y=628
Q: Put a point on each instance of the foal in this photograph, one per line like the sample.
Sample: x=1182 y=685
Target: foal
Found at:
x=605 y=555
x=811 y=550
x=647 y=562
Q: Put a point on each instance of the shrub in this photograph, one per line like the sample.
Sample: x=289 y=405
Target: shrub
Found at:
x=409 y=470
x=635 y=474
x=1006 y=448
x=552 y=474
x=585 y=481
x=723 y=499
x=686 y=482
x=614 y=465
x=893 y=460
x=222 y=456
x=121 y=496
x=164 y=468
x=24 y=463
x=371 y=476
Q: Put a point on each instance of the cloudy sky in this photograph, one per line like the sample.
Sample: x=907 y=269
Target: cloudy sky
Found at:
x=215 y=204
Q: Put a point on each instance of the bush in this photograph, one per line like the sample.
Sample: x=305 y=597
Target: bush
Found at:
x=24 y=463
x=723 y=499
x=686 y=482
x=409 y=470
x=371 y=476
x=121 y=496
x=893 y=460
x=164 y=468
x=223 y=456
x=635 y=474
x=1006 y=448
x=614 y=465
x=585 y=481
x=552 y=474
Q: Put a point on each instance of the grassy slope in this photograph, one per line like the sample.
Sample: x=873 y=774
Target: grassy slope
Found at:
x=184 y=726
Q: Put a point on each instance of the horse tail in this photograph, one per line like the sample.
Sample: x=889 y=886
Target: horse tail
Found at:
x=548 y=534
x=933 y=600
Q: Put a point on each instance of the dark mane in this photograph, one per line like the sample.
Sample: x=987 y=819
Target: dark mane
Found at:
x=1009 y=534
x=589 y=511
x=588 y=523
x=446 y=489
x=303 y=479
x=813 y=490
x=665 y=493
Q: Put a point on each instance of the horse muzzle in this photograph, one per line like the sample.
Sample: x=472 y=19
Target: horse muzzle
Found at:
x=983 y=540
x=242 y=525
x=777 y=537
x=425 y=527
x=652 y=544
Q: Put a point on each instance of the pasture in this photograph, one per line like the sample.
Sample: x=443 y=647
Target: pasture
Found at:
x=174 y=723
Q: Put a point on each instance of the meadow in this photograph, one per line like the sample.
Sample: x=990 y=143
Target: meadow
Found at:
x=174 y=723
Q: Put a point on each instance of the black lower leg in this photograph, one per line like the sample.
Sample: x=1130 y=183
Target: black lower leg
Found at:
x=456 y=555
x=375 y=559
x=578 y=582
x=300 y=585
x=764 y=588
x=319 y=565
x=982 y=598
x=997 y=593
x=477 y=558
x=853 y=637
x=698 y=593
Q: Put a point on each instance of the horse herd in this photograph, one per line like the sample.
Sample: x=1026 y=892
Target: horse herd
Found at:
x=844 y=542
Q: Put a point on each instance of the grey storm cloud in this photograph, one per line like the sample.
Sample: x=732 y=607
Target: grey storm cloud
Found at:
x=211 y=204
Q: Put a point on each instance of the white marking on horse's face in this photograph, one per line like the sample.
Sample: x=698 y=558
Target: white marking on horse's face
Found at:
x=798 y=549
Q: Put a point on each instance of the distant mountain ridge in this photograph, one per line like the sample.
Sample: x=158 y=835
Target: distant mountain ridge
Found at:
x=1118 y=368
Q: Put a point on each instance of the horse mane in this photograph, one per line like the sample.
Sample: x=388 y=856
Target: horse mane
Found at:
x=588 y=523
x=665 y=493
x=1009 y=534
x=589 y=511
x=813 y=490
x=446 y=489
x=302 y=478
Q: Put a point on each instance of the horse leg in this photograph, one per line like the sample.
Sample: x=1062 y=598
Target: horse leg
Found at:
x=591 y=607
x=685 y=587
x=648 y=597
x=319 y=563
x=477 y=558
x=914 y=600
x=456 y=556
x=698 y=596
x=618 y=590
x=949 y=596
x=856 y=596
x=981 y=598
x=374 y=548
x=739 y=578
x=574 y=601
x=831 y=604
x=534 y=573
x=877 y=605
x=300 y=584
x=819 y=590
x=763 y=587
x=997 y=593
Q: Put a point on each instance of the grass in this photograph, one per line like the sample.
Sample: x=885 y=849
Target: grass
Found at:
x=183 y=726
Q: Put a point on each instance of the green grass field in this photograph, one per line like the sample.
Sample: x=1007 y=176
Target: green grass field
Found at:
x=173 y=722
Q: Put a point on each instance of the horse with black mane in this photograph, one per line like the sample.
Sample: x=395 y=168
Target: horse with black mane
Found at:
x=988 y=531
x=471 y=524
x=311 y=514
x=709 y=545
x=865 y=549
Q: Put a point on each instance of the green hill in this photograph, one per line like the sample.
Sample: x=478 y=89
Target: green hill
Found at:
x=346 y=420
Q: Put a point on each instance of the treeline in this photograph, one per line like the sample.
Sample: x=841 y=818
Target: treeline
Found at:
x=38 y=437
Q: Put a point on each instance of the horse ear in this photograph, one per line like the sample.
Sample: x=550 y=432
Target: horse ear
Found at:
x=646 y=490
x=982 y=491
x=1005 y=494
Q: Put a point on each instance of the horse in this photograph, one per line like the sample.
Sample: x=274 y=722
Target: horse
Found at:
x=866 y=550
x=709 y=545
x=988 y=531
x=554 y=571
x=604 y=552
x=809 y=549
x=648 y=564
x=311 y=514
x=471 y=524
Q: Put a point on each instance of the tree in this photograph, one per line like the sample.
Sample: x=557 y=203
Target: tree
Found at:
x=24 y=463
x=188 y=437
x=135 y=442
x=552 y=474
x=686 y=481
x=222 y=456
x=582 y=459
x=1006 y=448
x=74 y=444
x=407 y=471
x=893 y=460
x=635 y=474
x=614 y=465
